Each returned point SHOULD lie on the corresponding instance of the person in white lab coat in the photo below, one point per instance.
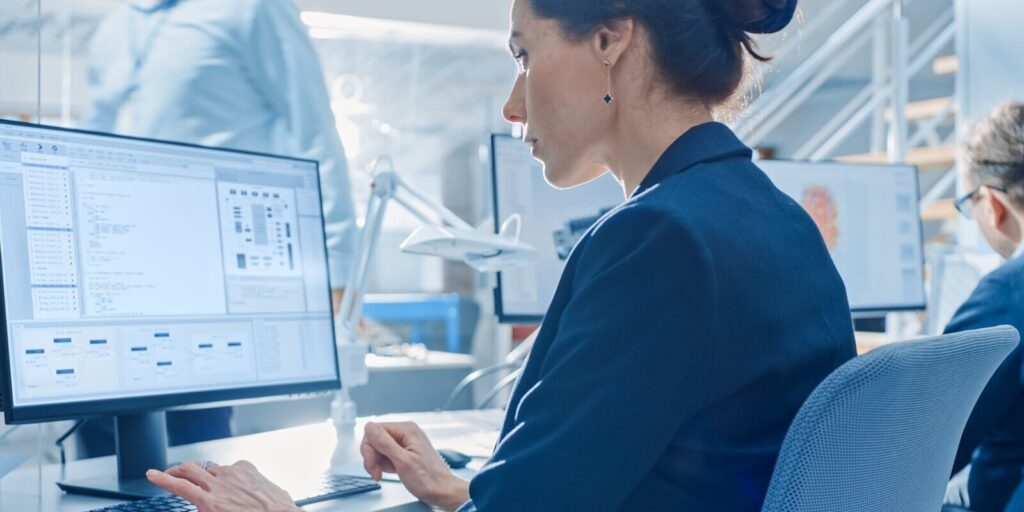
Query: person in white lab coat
(240, 74)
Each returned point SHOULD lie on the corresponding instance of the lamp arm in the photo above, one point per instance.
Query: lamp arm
(387, 186)
(447, 215)
(350, 313)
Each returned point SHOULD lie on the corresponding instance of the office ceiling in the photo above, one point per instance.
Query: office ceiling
(819, 19)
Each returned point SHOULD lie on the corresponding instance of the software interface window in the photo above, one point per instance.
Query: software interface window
(134, 268)
(868, 217)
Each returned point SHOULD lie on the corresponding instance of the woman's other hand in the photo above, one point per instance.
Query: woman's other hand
(403, 449)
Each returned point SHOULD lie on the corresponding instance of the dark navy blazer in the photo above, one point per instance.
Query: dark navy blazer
(993, 441)
(689, 326)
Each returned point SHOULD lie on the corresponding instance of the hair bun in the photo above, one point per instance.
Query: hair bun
(760, 16)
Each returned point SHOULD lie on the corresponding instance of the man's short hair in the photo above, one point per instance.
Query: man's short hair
(993, 150)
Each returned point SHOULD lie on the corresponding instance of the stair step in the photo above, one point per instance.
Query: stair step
(941, 210)
(924, 109)
(940, 158)
(948, 65)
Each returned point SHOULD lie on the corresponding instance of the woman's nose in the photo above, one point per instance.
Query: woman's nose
(515, 107)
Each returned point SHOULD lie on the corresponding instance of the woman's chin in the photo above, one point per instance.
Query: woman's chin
(558, 180)
(566, 177)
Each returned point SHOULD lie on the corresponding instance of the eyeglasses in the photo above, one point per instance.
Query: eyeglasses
(965, 203)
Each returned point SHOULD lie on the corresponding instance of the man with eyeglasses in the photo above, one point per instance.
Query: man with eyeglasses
(993, 441)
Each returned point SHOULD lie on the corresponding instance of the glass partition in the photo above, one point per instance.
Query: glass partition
(427, 96)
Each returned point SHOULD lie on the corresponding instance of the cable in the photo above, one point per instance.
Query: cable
(8, 432)
(39, 461)
(60, 440)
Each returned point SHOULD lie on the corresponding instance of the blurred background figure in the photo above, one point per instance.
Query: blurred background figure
(993, 441)
(240, 74)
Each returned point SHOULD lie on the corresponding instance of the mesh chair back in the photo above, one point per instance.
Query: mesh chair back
(880, 433)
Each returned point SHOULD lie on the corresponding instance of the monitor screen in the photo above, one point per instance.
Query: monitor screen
(142, 274)
(869, 218)
(552, 222)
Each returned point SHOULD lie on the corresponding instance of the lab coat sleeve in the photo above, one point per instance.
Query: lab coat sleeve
(285, 68)
(622, 374)
(103, 104)
(988, 306)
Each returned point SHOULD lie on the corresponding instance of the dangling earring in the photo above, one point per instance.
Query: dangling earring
(608, 98)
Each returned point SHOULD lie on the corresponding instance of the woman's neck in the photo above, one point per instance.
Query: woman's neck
(643, 134)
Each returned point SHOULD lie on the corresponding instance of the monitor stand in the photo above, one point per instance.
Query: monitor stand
(141, 442)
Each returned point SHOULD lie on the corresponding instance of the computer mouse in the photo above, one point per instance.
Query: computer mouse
(454, 459)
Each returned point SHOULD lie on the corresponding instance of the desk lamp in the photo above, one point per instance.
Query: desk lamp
(450, 238)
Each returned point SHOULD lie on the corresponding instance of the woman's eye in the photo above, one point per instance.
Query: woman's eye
(520, 58)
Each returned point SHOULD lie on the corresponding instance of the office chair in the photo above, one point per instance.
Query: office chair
(513, 365)
(880, 433)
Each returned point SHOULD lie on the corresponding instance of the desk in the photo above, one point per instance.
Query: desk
(402, 384)
(280, 455)
(397, 385)
(868, 341)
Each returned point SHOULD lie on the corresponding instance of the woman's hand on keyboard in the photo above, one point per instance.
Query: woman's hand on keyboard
(223, 488)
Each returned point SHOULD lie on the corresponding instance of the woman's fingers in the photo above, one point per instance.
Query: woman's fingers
(378, 437)
(371, 460)
(178, 486)
(375, 463)
(194, 474)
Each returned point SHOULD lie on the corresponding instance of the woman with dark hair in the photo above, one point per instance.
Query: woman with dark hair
(690, 323)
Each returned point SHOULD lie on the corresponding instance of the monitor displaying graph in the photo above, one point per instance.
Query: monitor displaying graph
(138, 269)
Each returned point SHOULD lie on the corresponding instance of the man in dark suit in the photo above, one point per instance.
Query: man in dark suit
(993, 441)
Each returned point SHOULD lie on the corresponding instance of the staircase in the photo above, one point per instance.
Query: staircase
(920, 133)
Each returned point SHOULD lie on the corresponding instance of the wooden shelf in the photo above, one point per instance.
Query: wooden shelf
(940, 211)
(940, 158)
(924, 109)
(948, 65)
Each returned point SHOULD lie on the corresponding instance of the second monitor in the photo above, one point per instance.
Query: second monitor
(868, 216)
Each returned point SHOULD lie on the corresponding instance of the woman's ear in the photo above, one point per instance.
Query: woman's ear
(611, 40)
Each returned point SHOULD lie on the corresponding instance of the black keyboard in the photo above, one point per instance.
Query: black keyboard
(331, 487)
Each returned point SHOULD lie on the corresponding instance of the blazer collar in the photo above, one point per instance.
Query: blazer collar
(703, 143)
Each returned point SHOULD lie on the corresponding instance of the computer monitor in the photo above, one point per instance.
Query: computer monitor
(140, 275)
(869, 218)
(954, 273)
(868, 215)
(552, 222)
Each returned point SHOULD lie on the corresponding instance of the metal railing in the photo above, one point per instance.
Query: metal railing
(772, 99)
(893, 67)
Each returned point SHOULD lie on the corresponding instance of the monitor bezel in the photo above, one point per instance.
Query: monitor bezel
(113, 406)
(499, 307)
(863, 312)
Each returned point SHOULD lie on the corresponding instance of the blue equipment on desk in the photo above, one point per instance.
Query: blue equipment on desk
(418, 310)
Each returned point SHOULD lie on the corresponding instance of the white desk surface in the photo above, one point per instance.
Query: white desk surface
(280, 455)
(433, 360)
